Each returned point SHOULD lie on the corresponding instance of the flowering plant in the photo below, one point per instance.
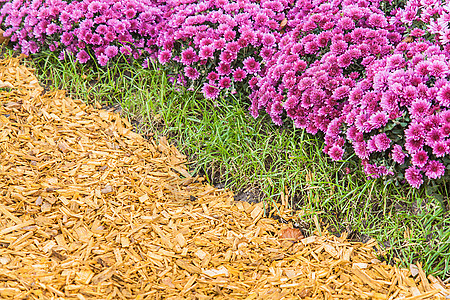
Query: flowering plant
(428, 19)
(320, 61)
(343, 71)
(89, 28)
(404, 126)
(220, 45)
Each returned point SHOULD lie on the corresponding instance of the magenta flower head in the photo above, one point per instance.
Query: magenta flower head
(224, 69)
(398, 155)
(191, 73)
(443, 95)
(126, 50)
(210, 91)
(251, 65)
(434, 169)
(239, 74)
(414, 177)
(164, 56)
(440, 148)
(225, 82)
(414, 132)
(420, 158)
(419, 108)
(188, 56)
(382, 142)
(102, 59)
(111, 51)
(213, 76)
(206, 52)
(83, 56)
(336, 152)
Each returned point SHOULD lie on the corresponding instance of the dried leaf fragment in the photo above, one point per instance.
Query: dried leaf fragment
(3, 39)
(283, 23)
(292, 234)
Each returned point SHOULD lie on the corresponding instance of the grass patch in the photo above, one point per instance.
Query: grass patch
(263, 162)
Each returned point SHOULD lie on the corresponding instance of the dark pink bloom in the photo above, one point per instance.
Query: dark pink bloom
(336, 152)
(191, 73)
(102, 59)
(225, 82)
(111, 51)
(398, 155)
(224, 69)
(164, 57)
(251, 65)
(382, 142)
(213, 76)
(239, 74)
(188, 56)
(419, 158)
(434, 169)
(443, 95)
(414, 177)
(83, 56)
(210, 91)
(419, 108)
(440, 148)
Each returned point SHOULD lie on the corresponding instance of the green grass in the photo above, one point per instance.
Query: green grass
(256, 158)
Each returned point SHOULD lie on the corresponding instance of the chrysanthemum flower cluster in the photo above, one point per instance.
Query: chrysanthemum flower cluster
(220, 44)
(398, 117)
(88, 29)
(428, 19)
(373, 78)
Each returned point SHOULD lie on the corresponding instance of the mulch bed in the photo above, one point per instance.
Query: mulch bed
(92, 210)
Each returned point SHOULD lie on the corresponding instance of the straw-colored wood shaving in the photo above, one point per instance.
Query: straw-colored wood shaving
(91, 210)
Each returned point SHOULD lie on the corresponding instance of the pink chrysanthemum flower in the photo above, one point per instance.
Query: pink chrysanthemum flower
(336, 152)
(414, 177)
(378, 120)
(420, 158)
(227, 56)
(225, 82)
(191, 73)
(188, 56)
(224, 69)
(443, 95)
(210, 91)
(398, 155)
(438, 68)
(239, 74)
(111, 51)
(434, 169)
(251, 65)
(83, 56)
(361, 150)
(206, 52)
(382, 142)
(213, 76)
(102, 59)
(164, 57)
(419, 108)
(440, 148)
(415, 131)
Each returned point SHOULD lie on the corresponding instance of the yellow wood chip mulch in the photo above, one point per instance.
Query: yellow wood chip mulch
(91, 210)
